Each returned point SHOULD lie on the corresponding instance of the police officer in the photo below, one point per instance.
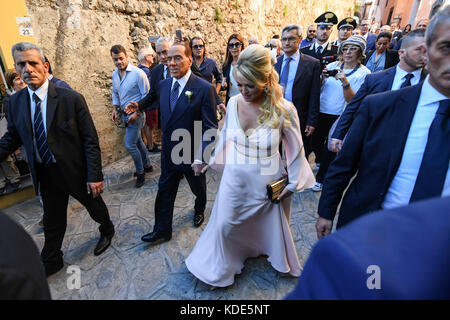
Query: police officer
(345, 29)
(321, 49)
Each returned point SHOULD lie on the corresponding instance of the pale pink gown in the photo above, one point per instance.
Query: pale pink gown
(244, 223)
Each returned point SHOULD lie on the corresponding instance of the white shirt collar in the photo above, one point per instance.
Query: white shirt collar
(183, 80)
(41, 92)
(429, 94)
(402, 73)
(316, 44)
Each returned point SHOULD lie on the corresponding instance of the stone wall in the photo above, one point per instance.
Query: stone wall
(76, 36)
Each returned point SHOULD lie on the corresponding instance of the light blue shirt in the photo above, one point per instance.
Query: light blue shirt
(182, 82)
(293, 65)
(400, 75)
(133, 86)
(378, 64)
(402, 186)
(42, 93)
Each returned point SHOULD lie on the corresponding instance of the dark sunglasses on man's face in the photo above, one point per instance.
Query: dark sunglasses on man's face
(234, 45)
(198, 46)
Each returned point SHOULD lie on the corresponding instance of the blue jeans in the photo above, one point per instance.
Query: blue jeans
(135, 145)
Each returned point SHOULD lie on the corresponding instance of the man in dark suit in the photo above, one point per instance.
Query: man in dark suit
(322, 49)
(397, 145)
(56, 129)
(300, 77)
(383, 256)
(371, 38)
(409, 71)
(184, 100)
(22, 276)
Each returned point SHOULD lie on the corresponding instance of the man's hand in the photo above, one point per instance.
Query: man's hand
(222, 108)
(336, 145)
(285, 193)
(114, 115)
(323, 227)
(95, 188)
(133, 117)
(132, 107)
(198, 168)
(309, 130)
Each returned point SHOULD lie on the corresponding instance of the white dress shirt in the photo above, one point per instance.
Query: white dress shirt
(182, 82)
(316, 45)
(399, 77)
(402, 186)
(42, 93)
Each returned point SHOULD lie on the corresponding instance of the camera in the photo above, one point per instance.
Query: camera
(331, 73)
(328, 59)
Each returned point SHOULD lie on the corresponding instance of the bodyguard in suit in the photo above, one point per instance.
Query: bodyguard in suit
(398, 144)
(321, 49)
(371, 38)
(56, 129)
(409, 71)
(383, 256)
(183, 99)
(300, 78)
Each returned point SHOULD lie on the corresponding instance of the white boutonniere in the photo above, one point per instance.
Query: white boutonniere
(188, 95)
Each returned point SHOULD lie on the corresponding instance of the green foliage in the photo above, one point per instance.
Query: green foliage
(236, 5)
(285, 11)
(217, 15)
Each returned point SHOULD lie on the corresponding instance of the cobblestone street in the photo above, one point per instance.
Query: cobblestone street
(132, 269)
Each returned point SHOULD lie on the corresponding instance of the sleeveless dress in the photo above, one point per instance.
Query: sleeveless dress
(244, 223)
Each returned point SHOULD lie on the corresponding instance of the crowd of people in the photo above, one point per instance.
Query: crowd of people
(376, 119)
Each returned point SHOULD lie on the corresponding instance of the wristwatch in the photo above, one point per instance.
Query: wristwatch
(346, 86)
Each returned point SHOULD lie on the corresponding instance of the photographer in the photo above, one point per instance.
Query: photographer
(341, 79)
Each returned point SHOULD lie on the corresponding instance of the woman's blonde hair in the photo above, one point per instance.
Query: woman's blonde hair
(255, 65)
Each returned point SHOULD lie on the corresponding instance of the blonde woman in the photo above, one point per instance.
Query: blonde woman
(244, 223)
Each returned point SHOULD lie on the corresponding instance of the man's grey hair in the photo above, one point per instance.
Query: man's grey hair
(292, 27)
(148, 51)
(276, 42)
(409, 39)
(25, 46)
(162, 40)
(439, 18)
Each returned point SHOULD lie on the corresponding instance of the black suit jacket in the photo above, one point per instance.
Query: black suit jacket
(373, 149)
(22, 275)
(306, 89)
(391, 58)
(201, 107)
(157, 75)
(374, 83)
(71, 136)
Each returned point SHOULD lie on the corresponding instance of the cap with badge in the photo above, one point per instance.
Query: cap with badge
(328, 19)
(347, 22)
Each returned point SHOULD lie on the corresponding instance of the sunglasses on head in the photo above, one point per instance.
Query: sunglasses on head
(234, 45)
(198, 46)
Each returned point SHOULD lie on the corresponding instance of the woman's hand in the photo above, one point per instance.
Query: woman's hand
(341, 76)
(285, 193)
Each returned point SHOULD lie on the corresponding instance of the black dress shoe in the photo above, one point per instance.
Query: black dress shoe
(156, 237)
(198, 219)
(53, 268)
(140, 181)
(148, 169)
(103, 244)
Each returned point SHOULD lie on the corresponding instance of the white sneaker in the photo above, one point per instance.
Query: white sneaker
(317, 187)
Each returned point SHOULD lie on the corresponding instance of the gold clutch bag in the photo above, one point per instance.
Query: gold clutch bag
(275, 188)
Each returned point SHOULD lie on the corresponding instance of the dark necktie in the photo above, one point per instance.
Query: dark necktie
(167, 73)
(39, 133)
(433, 169)
(319, 50)
(285, 74)
(174, 95)
(407, 82)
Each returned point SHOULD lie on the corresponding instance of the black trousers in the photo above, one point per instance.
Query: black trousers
(55, 197)
(320, 136)
(167, 192)
(327, 157)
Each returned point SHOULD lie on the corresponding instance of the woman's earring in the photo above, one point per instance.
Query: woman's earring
(266, 90)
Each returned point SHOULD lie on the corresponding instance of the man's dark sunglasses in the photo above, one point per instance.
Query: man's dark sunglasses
(198, 46)
(234, 45)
